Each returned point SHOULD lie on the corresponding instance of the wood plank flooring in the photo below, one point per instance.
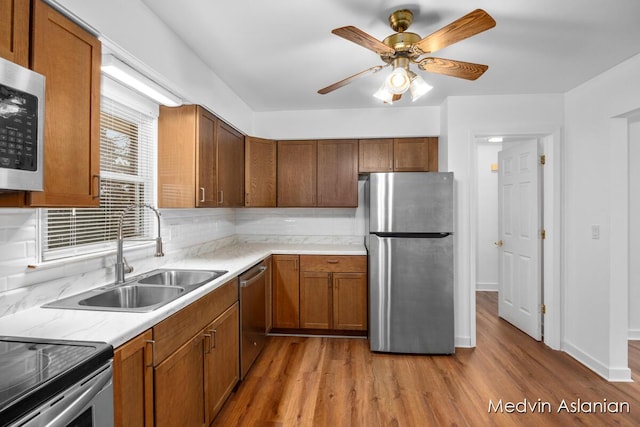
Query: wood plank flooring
(301, 381)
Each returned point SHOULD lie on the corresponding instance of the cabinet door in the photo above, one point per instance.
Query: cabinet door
(206, 187)
(297, 173)
(230, 163)
(133, 382)
(315, 300)
(338, 173)
(72, 114)
(268, 294)
(286, 292)
(375, 155)
(179, 386)
(350, 301)
(260, 172)
(432, 143)
(222, 360)
(411, 154)
(14, 31)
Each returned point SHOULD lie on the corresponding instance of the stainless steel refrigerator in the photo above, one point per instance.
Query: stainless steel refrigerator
(410, 246)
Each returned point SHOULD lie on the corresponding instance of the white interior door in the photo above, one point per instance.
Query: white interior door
(520, 244)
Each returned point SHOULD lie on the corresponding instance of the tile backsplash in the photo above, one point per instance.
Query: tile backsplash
(24, 284)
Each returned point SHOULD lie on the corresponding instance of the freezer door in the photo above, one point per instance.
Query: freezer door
(410, 202)
(411, 295)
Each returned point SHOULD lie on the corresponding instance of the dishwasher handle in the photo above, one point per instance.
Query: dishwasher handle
(248, 282)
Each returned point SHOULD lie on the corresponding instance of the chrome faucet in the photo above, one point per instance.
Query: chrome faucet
(121, 264)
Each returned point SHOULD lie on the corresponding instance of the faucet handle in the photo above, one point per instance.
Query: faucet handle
(127, 268)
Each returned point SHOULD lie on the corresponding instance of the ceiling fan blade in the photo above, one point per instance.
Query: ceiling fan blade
(463, 70)
(363, 39)
(469, 25)
(349, 79)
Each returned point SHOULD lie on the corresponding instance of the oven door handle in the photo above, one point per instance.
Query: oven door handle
(66, 413)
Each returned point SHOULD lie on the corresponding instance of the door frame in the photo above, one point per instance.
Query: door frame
(551, 180)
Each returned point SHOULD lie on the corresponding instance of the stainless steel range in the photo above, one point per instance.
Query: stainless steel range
(55, 383)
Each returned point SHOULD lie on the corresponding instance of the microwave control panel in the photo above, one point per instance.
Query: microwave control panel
(18, 129)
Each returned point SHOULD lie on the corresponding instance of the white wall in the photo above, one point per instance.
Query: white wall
(467, 117)
(348, 123)
(159, 53)
(634, 228)
(487, 252)
(596, 193)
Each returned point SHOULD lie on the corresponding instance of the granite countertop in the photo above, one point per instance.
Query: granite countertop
(116, 328)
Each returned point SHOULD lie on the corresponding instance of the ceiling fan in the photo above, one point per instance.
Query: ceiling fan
(402, 48)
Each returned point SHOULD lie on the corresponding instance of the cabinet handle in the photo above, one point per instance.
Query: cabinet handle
(99, 186)
(149, 352)
(202, 192)
(333, 261)
(214, 334)
(247, 199)
(207, 339)
(221, 200)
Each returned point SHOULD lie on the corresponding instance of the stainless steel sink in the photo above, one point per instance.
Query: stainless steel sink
(133, 296)
(179, 277)
(142, 293)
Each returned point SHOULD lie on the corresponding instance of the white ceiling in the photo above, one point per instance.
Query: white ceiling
(276, 54)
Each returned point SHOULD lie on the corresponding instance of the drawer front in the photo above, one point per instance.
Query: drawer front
(175, 330)
(334, 263)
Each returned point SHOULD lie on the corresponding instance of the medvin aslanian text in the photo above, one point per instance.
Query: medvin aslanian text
(527, 406)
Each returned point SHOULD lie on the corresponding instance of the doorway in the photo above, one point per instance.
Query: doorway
(509, 249)
(634, 244)
(549, 142)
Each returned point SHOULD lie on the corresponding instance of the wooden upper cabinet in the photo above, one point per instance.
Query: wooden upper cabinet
(200, 160)
(14, 31)
(186, 157)
(297, 173)
(230, 166)
(375, 155)
(69, 58)
(338, 173)
(398, 155)
(410, 154)
(260, 172)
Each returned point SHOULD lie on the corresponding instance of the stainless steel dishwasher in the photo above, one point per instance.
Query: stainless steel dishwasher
(252, 315)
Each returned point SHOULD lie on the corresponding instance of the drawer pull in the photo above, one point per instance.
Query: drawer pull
(333, 261)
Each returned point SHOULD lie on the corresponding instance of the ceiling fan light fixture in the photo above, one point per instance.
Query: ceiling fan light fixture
(398, 81)
(384, 95)
(418, 87)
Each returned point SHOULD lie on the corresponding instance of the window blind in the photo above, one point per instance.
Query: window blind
(127, 141)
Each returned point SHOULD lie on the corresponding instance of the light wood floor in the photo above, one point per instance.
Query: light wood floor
(339, 382)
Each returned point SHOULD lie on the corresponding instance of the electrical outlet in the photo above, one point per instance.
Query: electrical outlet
(595, 232)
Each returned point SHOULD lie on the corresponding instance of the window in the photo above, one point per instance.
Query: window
(127, 139)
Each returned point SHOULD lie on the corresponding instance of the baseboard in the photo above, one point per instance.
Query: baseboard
(634, 334)
(487, 286)
(609, 374)
(464, 342)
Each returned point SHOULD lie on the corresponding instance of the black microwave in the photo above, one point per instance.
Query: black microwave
(21, 128)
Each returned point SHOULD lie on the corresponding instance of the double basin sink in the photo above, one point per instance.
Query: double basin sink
(142, 293)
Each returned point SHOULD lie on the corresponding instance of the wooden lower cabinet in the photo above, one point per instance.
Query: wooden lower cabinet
(222, 362)
(133, 382)
(179, 386)
(333, 292)
(182, 370)
(286, 292)
(319, 292)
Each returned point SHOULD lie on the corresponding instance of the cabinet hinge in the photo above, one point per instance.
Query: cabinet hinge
(543, 159)
(543, 309)
(543, 234)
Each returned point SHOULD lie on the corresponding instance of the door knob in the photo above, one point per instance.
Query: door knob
(499, 243)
